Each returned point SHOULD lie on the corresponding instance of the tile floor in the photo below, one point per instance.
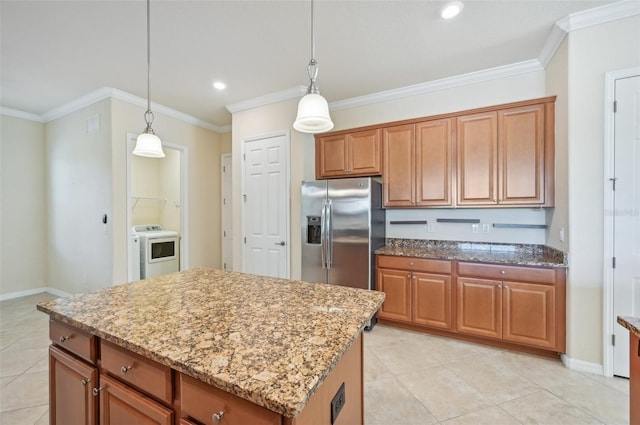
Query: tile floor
(410, 378)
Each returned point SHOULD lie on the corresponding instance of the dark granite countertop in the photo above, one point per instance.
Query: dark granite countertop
(631, 323)
(516, 254)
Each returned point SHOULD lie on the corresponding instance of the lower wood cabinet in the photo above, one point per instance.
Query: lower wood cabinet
(634, 378)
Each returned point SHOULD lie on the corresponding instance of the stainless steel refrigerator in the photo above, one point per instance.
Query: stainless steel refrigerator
(343, 223)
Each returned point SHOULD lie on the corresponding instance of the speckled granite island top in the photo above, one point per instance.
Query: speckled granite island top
(631, 323)
(270, 341)
(485, 252)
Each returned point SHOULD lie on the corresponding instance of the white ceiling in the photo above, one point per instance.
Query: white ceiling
(53, 52)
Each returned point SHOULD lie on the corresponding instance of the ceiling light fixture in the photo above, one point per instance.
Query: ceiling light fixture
(148, 144)
(313, 109)
(219, 85)
(451, 9)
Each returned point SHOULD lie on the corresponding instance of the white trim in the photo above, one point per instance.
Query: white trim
(26, 293)
(552, 44)
(608, 205)
(292, 93)
(581, 365)
(599, 15)
(445, 83)
(20, 114)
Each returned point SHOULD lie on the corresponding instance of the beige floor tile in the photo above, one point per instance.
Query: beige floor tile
(16, 362)
(443, 393)
(605, 403)
(381, 334)
(490, 416)
(4, 381)
(44, 419)
(617, 383)
(387, 403)
(25, 391)
(546, 409)
(26, 416)
(374, 369)
(28, 341)
(41, 366)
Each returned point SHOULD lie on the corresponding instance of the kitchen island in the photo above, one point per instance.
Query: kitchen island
(632, 324)
(247, 341)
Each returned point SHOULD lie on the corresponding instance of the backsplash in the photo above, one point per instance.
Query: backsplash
(513, 225)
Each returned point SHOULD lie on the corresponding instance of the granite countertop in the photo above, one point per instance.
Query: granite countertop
(270, 341)
(631, 323)
(516, 254)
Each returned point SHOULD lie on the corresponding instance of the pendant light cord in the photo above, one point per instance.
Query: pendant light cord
(312, 69)
(148, 115)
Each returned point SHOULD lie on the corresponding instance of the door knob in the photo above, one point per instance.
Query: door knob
(281, 243)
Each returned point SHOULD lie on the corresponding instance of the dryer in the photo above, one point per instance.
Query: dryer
(159, 250)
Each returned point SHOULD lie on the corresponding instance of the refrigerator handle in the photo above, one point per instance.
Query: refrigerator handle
(329, 234)
(323, 234)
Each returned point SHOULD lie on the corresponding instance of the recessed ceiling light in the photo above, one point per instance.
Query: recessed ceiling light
(451, 9)
(219, 85)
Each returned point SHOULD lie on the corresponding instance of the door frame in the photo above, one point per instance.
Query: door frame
(608, 210)
(287, 148)
(222, 213)
(184, 202)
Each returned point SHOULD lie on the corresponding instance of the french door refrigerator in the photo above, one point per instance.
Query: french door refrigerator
(343, 223)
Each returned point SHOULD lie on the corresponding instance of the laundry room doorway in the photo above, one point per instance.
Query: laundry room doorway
(156, 195)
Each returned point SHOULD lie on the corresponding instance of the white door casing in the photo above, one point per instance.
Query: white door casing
(625, 185)
(227, 211)
(266, 205)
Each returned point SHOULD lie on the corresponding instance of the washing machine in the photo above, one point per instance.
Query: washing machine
(159, 250)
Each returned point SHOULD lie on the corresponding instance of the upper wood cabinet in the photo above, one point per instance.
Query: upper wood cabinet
(417, 164)
(505, 157)
(348, 154)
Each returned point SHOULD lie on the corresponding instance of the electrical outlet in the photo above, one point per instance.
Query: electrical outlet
(338, 402)
(475, 228)
(485, 228)
(431, 228)
(561, 235)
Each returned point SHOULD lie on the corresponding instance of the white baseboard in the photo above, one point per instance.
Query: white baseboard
(20, 294)
(582, 366)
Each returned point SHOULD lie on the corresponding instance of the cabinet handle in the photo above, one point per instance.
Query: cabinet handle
(217, 417)
(505, 286)
(500, 286)
(62, 339)
(411, 264)
(409, 275)
(96, 391)
(84, 382)
(125, 369)
(503, 272)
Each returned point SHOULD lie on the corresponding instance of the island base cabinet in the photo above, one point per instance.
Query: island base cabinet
(120, 404)
(634, 378)
(71, 383)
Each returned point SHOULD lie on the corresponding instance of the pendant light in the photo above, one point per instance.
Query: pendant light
(313, 110)
(148, 144)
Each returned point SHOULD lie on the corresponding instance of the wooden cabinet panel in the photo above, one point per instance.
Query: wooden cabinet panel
(364, 153)
(479, 307)
(121, 405)
(332, 156)
(521, 155)
(71, 382)
(431, 295)
(414, 264)
(634, 378)
(144, 374)
(396, 285)
(477, 154)
(434, 162)
(398, 177)
(349, 154)
(74, 340)
(502, 272)
(529, 314)
(200, 401)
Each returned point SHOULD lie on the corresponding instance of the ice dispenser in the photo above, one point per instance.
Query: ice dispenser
(313, 230)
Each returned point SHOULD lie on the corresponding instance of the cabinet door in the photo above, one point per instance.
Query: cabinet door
(71, 381)
(634, 378)
(477, 145)
(529, 314)
(431, 300)
(398, 176)
(331, 156)
(479, 307)
(396, 284)
(364, 153)
(120, 404)
(434, 156)
(521, 155)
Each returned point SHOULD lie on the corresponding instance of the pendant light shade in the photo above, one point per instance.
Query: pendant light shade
(147, 143)
(313, 109)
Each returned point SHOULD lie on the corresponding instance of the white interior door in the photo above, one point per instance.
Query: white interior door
(227, 213)
(626, 274)
(266, 206)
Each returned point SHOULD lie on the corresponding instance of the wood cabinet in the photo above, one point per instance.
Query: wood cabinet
(417, 291)
(505, 157)
(524, 305)
(417, 164)
(348, 154)
(634, 378)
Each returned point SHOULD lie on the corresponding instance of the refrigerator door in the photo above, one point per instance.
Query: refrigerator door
(350, 213)
(314, 197)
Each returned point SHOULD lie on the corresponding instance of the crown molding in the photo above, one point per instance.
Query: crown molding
(292, 93)
(442, 84)
(599, 15)
(20, 114)
(552, 44)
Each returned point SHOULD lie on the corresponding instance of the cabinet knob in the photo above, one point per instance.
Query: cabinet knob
(62, 339)
(409, 275)
(84, 382)
(217, 417)
(503, 272)
(96, 391)
(125, 369)
(411, 264)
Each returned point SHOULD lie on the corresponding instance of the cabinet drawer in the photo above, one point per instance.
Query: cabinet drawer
(73, 339)
(201, 401)
(414, 264)
(144, 374)
(494, 271)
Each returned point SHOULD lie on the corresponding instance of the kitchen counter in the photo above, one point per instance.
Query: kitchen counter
(515, 254)
(270, 341)
(631, 323)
